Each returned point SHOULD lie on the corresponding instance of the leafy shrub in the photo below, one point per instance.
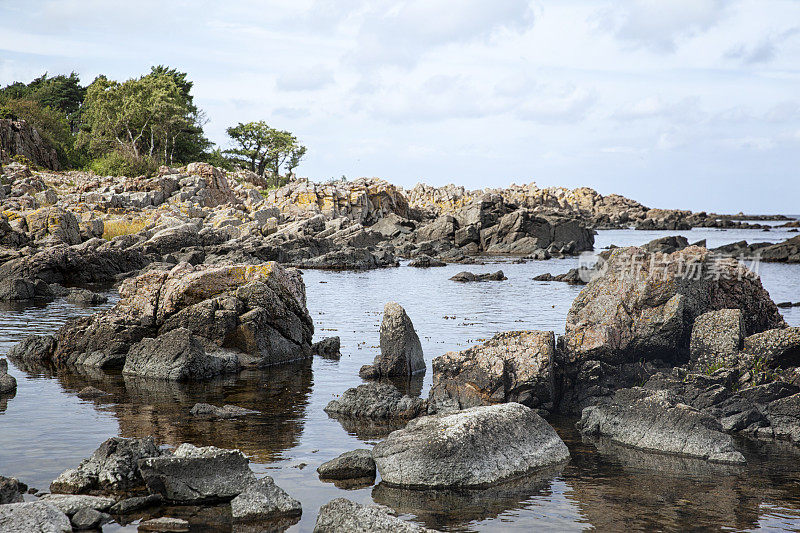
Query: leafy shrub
(123, 164)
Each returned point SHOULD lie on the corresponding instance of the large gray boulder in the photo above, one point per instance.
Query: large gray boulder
(344, 516)
(515, 366)
(176, 355)
(196, 475)
(476, 447)
(113, 467)
(263, 500)
(401, 351)
(717, 338)
(653, 421)
(643, 305)
(378, 401)
(29, 517)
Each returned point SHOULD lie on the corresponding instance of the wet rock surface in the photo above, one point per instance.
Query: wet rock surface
(342, 515)
(475, 447)
(376, 401)
(465, 277)
(350, 465)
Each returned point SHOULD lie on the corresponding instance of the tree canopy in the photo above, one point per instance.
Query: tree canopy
(260, 147)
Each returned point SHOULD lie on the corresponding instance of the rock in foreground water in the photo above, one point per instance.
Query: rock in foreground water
(652, 421)
(196, 475)
(350, 465)
(40, 517)
(344, 516)
(376, 401)
(263, 500)
(515, 366)
(401, 351)
(476, 447)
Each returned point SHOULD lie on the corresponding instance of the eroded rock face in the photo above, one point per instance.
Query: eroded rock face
(643, 305)
(651, 420)
(18, 137)
(717, 338)
(401, 351)
(344, 516)
(515, 366)
(475, 447)
(778, 347)
(11, 490)
(195, 475)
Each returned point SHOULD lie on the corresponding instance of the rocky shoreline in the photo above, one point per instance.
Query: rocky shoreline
(670, 348)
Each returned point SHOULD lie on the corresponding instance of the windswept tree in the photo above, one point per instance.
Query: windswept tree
(152, 116)
(260, 147)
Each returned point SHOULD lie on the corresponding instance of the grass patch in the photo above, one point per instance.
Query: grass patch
(115, 228)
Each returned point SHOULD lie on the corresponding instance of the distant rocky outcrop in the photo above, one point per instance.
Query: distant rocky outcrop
(18, 137)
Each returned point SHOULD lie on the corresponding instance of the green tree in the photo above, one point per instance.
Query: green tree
(152, 116)
(260, 147)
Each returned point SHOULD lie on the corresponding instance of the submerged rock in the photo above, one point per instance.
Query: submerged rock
(204, 410)
(376, 401)
(197, 475)
(652, 421)
(515, 366)
(344, 516)
(401, 351)
(165, 524)
(263, 500)
(426, 261)
(38, 516)
(476, 447)
(465, 277)
(349, 465)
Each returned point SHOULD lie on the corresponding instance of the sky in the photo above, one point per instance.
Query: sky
(690, 104)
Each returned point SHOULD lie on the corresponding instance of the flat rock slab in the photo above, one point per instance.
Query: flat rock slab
(263, 500)
(476, 447)
(195, 475)
(654, 423)
(165, 524)
(204, 410)
(350, 465)
(344, 516)
(41, 517)
(72, 503)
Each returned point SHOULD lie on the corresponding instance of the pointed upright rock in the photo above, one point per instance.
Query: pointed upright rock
(401, 351)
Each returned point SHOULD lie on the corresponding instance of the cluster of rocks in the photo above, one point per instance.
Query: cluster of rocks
(125, 476)
(187, 323)
(668, 348)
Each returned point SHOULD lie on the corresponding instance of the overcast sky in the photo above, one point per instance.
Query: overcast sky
(675, 103)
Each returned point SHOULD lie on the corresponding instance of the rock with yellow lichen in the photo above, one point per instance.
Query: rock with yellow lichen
(243, 315)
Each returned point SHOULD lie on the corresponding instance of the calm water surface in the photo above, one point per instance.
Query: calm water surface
(46, 428)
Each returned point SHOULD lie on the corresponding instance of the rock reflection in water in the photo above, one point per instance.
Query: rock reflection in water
(618, 488)
(161, 408)
(451, 508)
